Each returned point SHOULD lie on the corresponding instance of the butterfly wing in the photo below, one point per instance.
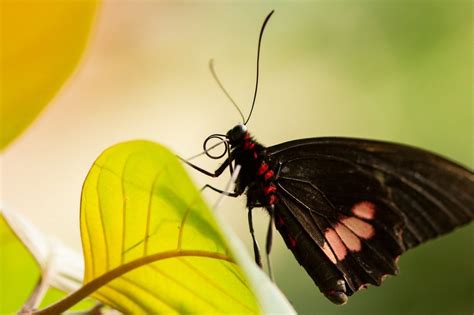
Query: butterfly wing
(358, 204)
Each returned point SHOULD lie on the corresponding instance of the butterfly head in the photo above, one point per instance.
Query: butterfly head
(232, 138)
(236, 134)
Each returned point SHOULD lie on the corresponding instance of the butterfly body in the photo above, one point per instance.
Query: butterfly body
(257, 177)
(348, 208)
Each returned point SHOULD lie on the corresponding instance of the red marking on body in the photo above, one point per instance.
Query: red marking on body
(292, 241)
(269, 189)
(262, 169)
(359, 227)
(349, 239)
(364, 210)
(249, 145)
(269, 174)
(246, 136)
(255, 155)
(280, 221)
(272, 200)
(336, 244)
(328, 252)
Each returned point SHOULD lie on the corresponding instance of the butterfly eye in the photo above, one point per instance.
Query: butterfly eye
(216, 146)
(237, 133)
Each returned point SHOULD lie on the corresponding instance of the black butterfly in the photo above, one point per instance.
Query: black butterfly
(346, 208)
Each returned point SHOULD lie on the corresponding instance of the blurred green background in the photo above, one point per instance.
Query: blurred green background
(392, 70)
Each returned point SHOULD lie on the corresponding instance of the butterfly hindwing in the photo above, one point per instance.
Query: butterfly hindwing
(364, 203)
(306, 241)
(360, 230)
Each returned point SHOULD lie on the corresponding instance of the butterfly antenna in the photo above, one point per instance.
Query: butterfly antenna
(258, 63)
(213, 72)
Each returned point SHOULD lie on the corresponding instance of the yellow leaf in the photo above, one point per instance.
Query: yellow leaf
(149, 240)
(42, 42)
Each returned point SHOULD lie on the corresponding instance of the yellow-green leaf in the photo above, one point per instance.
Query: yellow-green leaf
(42, 42)
(34, 269)
(19, 272)
(150, 240)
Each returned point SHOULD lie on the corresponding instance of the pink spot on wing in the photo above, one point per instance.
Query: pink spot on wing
(364, 210)
(359, 227)
(362, 286)
(336, 244)
(328, 252)
(349, 239)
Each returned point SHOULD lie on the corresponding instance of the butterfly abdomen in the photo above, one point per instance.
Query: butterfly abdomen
(257, 174)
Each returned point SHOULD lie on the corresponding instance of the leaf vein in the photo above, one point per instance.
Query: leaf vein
(214, 284)
(183, 286)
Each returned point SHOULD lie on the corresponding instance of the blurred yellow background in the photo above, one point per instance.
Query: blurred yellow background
(399, 71)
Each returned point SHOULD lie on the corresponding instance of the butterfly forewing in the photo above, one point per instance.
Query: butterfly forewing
(363, 203)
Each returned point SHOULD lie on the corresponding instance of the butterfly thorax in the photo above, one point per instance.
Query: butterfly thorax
(256, 177)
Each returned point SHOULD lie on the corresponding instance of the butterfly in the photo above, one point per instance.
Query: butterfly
(347, 208)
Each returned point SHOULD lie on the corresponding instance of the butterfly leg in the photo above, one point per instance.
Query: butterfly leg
(256, 250)
(269, 241)
(216, 173)
(220, 191)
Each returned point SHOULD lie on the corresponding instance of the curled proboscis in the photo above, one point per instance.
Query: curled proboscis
(208, 148)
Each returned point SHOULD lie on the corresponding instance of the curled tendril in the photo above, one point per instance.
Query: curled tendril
(207, 150)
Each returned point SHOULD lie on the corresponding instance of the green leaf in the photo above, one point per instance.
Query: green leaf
(42, 42)
(19, 272)
(150, 243)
